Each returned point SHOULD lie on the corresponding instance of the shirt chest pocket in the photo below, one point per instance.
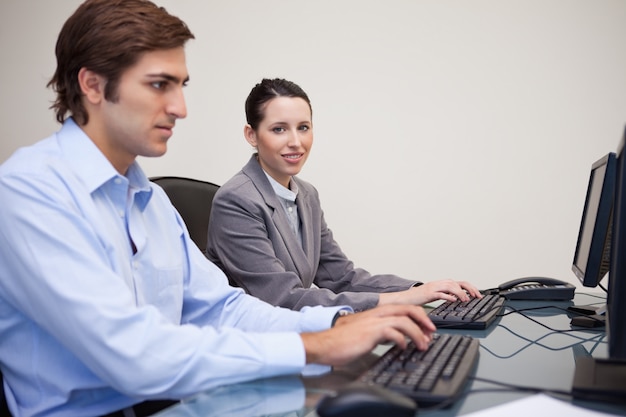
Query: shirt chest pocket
(163, 289)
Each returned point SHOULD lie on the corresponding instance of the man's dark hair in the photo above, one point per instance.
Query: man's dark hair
(108, 37)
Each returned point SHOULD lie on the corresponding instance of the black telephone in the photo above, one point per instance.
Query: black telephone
(537, 288)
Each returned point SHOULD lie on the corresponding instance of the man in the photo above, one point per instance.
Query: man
(105, 302)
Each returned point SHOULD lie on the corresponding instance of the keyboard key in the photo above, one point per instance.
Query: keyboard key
(477, 313)
(428, 377)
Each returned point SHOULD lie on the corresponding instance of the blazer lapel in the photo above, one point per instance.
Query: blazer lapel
(308, 237)
(281, 222)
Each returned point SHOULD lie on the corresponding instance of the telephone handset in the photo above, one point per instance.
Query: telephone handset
(537, 288)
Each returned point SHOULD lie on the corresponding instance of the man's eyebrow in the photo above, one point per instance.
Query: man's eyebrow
(169, 77)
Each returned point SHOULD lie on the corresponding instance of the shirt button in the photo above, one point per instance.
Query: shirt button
(118, 180)
(290, 209)
(121, 213)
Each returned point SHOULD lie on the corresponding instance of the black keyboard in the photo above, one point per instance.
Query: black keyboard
(428, 377)
(476, 314)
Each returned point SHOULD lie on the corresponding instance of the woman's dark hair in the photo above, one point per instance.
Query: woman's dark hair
(267, 90)
(108, 37)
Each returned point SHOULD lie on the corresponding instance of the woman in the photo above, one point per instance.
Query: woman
(267, 229)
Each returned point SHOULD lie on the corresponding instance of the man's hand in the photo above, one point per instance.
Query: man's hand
(356, 334)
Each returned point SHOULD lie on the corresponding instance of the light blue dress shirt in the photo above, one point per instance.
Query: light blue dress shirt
(88, 326)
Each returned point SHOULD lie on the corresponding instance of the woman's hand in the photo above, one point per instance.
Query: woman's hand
(448, 290)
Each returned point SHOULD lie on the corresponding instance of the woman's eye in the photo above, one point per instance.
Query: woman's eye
(159, 85)
(304, 128)
(278, 129)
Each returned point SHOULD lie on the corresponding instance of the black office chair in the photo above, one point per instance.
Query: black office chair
(4, 408)
(192, 198)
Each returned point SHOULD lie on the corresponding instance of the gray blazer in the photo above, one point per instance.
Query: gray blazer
(249, 238)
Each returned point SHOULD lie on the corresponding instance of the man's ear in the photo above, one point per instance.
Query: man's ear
(250, 135)
(92, 85)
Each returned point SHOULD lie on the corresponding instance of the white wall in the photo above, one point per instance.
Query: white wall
(453, 138)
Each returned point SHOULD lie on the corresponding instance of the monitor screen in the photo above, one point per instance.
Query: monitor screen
(593, 249)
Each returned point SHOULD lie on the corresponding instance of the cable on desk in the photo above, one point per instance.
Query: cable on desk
(518, 388)
(598, 335)
(507, 388)
(597, 338)
(565, 331)
(589, 294)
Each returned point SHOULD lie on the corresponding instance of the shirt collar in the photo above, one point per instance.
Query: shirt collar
(288, 194)
(93, 167)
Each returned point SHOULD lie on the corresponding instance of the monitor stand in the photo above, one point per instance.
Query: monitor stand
(599, 379)
(588, 315)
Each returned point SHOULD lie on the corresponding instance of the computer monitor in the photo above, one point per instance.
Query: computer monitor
(605, 378)
(616, 302)
(592, 256)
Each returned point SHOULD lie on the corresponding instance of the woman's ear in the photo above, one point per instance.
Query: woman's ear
(92, 85)
(250, 135)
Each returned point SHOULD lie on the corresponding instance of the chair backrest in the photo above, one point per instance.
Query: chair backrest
(4, 408)
(192, 198)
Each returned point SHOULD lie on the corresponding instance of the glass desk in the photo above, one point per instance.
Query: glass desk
(535, 350)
